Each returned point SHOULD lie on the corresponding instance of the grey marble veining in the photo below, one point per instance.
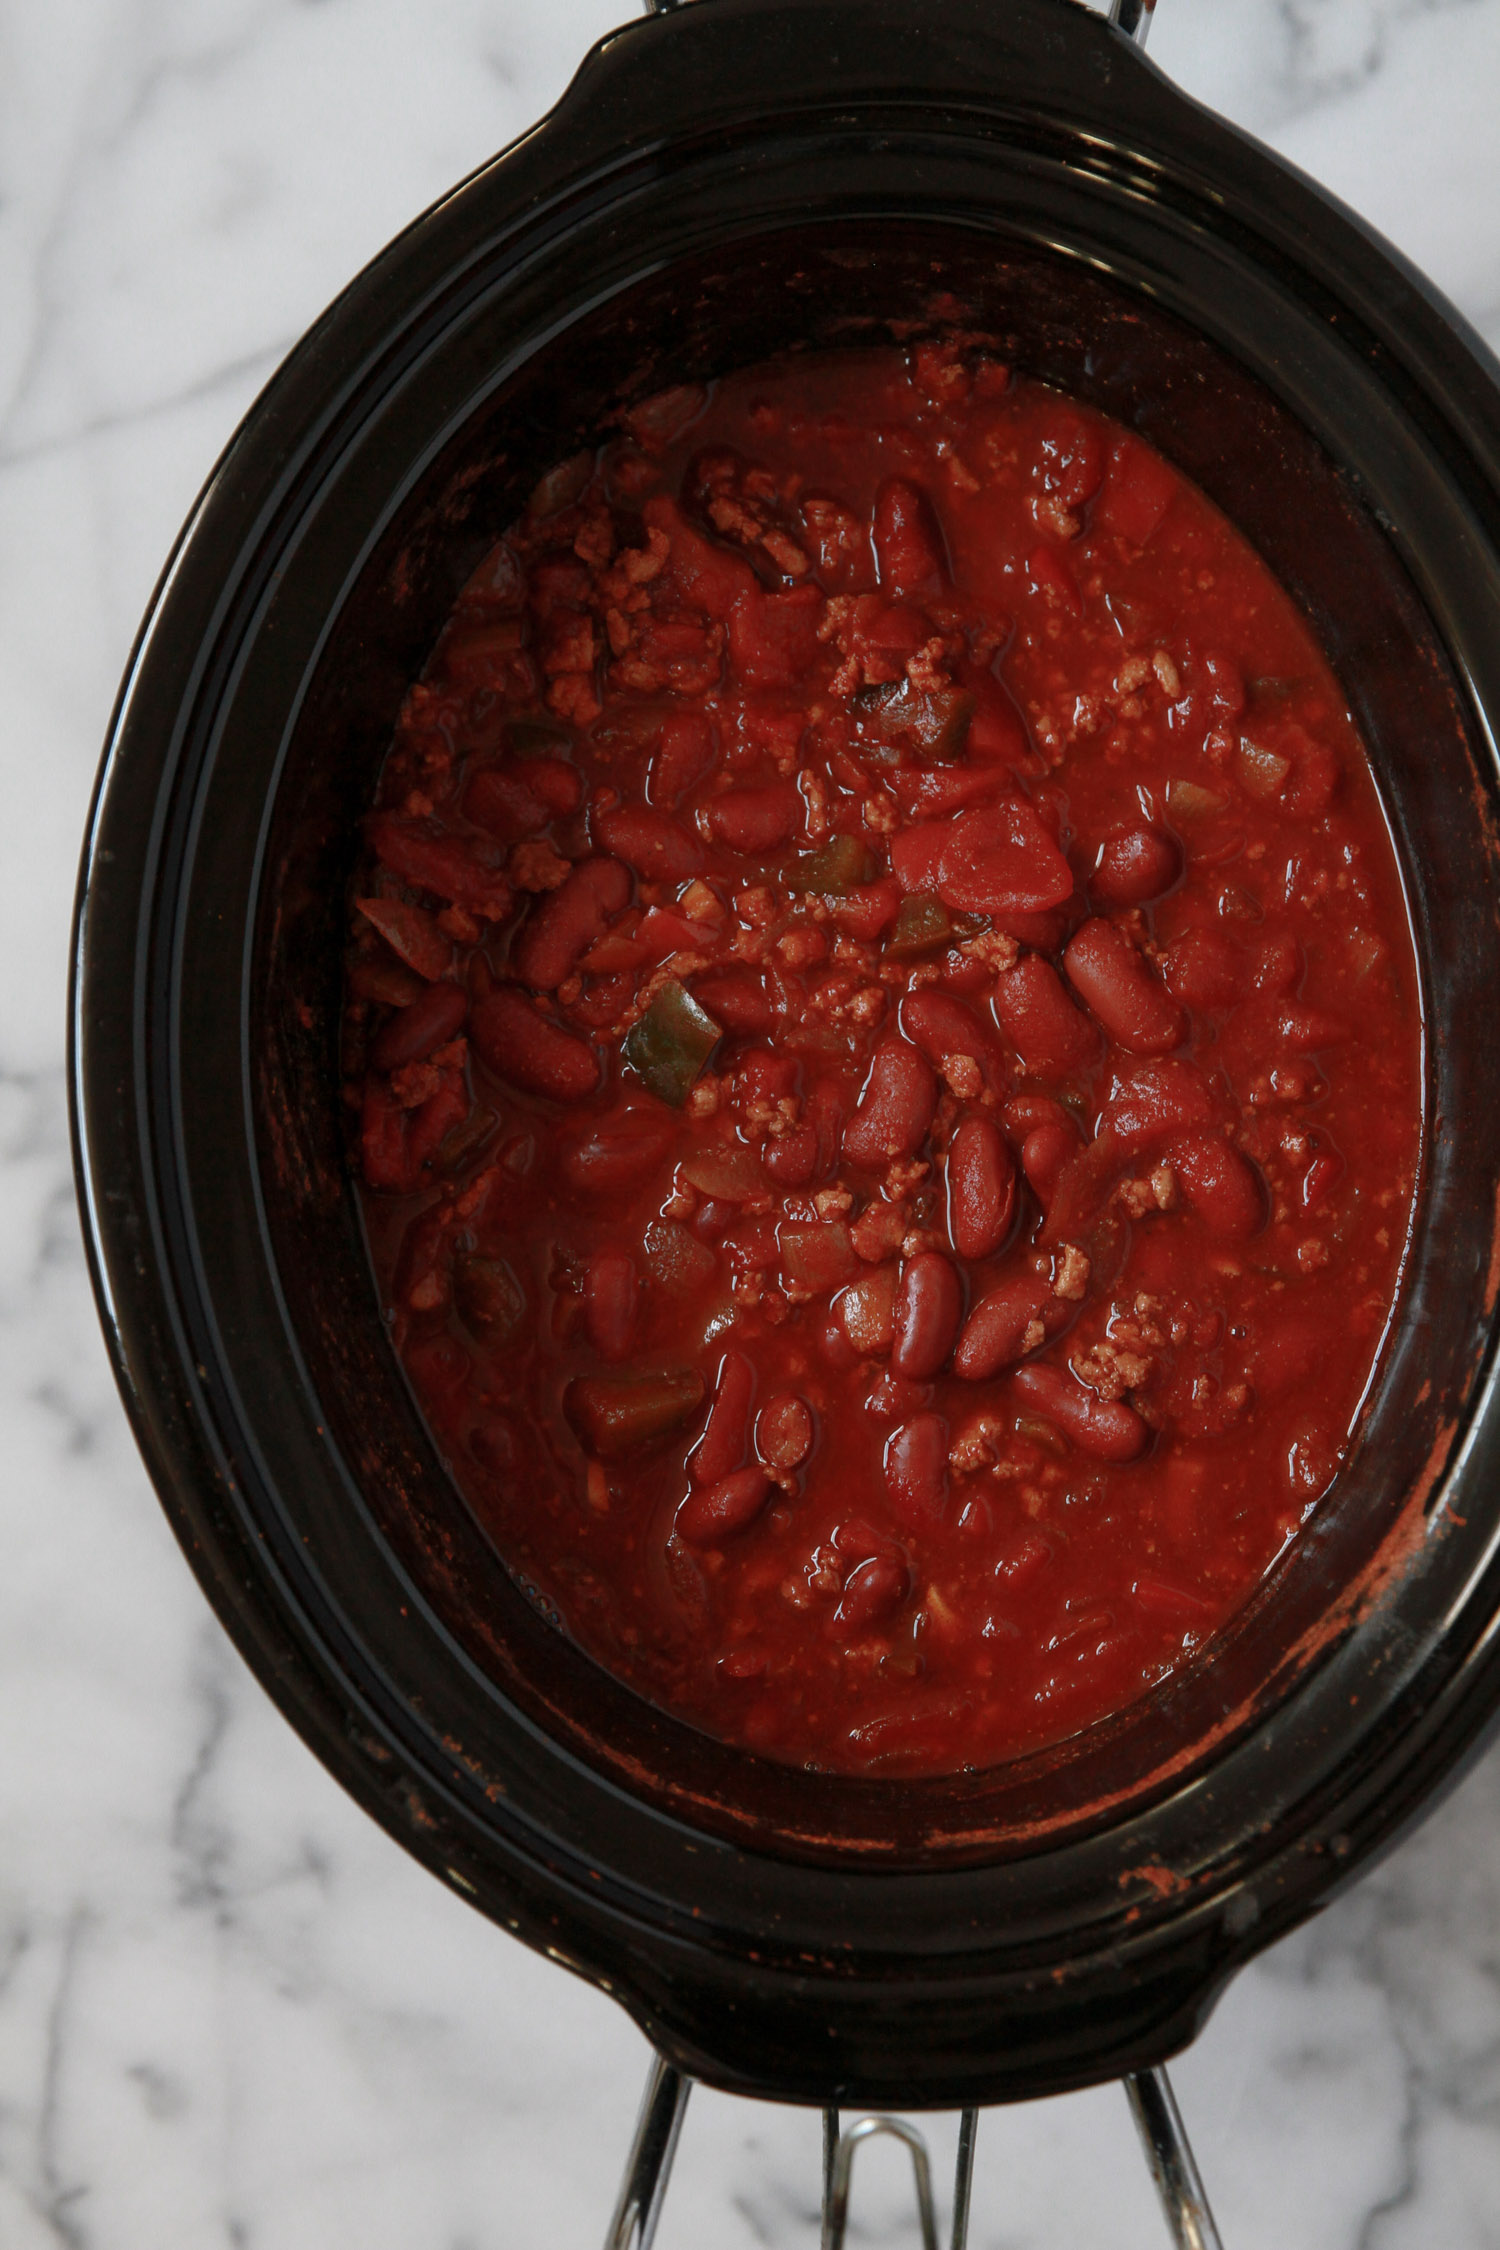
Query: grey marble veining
(231, 2012)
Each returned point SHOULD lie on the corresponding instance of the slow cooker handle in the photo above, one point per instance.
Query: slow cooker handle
(658, 2128)
(1133, 17)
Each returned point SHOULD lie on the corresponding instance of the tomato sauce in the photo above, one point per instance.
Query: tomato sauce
(884, 1039)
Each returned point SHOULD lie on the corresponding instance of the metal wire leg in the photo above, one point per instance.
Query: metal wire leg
(644, 2186)
(1159, 2123)
(963, 2177)
(1133, 17)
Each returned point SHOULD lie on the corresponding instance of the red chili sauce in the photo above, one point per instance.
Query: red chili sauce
(886, 1043)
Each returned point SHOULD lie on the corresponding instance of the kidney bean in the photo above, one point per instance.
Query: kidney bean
(656, 846)
(765, 1076)
(871, 1591)
(430, 861)
(1304, 1029)
(722, 1445)
(1002, 859)
(941, 1025)
(1044, 1152)
(1138, 490)
(566, 922)
(909, 548)
(997, 730)
(1018, 1316)
(499, 800)
(1202, 970)
(1133, 868)
(916, 1470)
(937, 792)
(410, 932)
(410, 1035)
(736, 998)
(684, 754)
(712, 1512)
(1123, 990)
(793, 1160)
(707, 575)
(981, 1188)
(929, 1310)
(1151, 1100)
(1109, 1429)
(895, 1107)
(1320, 1178)
(518, 1043)
(784, 1431)
(1222, 1187)
(618, 1151)
(756, 820)
(1050, 1035)
(610, 1295)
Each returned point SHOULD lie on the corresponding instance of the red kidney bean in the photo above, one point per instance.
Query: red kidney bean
(1151, 1100)
(1018, 1316)
(651, 842)
(726, 1432)
(934, 792)
(941, 1026)
(765, 1076)
(793, 1160)
(1202, 970)
(410, 1035)
(858, 1538)
(756, 820)
(1123, 990)
(433, 862)
(566, 922)
(737, 999)
(410, 932)
(1109, 1429)
(1280, 966)
(929, 1309)
(895, 1108)
(1050, 1035)
(518, 1043)
(909, 549)
(498, 799)
(981, 1188)
(610, 1295)
(1044, 1152)
(683, 756)
(1133, 868)
(1304, 1029)
(1321, 1176)
(871, 1591)
(784, 1431)
(1222, 1187)
(712, 1512)
(916, 1470)
(617, 1152)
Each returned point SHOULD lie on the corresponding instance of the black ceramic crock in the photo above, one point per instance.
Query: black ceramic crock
(735, 179)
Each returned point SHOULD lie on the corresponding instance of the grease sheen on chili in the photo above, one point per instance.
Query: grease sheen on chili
(884, 1039)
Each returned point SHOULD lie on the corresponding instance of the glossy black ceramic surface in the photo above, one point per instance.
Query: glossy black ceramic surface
(740, 177)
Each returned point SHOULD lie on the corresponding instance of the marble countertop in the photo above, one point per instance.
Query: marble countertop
(231, 2011)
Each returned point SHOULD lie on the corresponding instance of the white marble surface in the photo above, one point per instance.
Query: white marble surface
(231, 2013)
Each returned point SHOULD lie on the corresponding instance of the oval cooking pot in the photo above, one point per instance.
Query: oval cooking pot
(731, 180)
